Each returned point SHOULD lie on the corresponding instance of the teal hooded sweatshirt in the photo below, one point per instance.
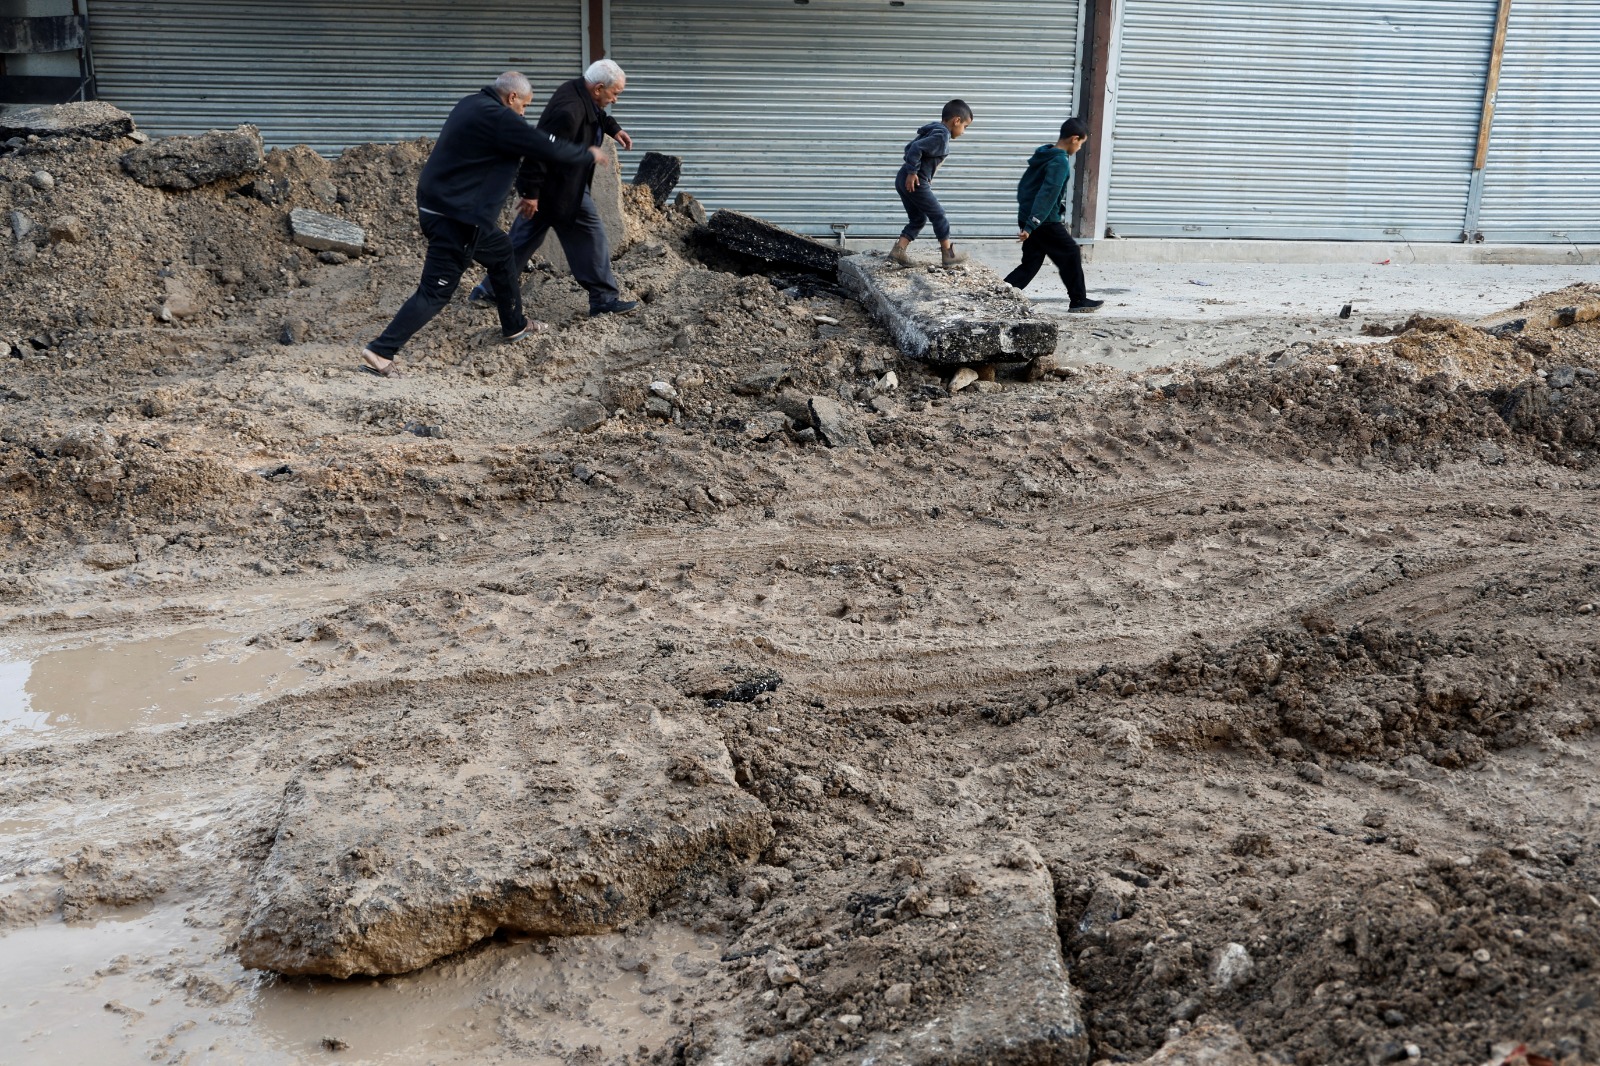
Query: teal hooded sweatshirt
(1043, 188)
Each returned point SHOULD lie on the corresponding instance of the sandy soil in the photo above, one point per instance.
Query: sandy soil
(1286, 667)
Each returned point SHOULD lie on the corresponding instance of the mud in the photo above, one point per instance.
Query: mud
(1284, 668)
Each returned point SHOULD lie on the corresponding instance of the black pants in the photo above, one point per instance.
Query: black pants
(1053, 240)
(583, 240)
(452, 247)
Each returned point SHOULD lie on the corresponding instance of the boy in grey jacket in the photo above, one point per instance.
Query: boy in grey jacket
(914, 183)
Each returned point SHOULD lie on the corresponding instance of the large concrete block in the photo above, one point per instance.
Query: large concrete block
(558, 820)
(949, 316)
(94, 119)
(607, 193)
(760, 239)
(190, 162)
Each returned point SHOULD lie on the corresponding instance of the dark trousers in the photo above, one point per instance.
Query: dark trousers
(1053, 240)
(922, 207)
(452, 247)
(583, 239)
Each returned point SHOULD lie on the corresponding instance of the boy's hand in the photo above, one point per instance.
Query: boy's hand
(911, 182)
(1022, 234)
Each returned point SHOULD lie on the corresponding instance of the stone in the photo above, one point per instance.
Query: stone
(1562, 377)
(767, 425)
(324, 190)
(837, 426)
(42, 180)
(949, 317)
(443, 832)
(1111, 901)
(664, 390)
(606, 191)
(795, 405)
(963, 377)
(68, 229)
(325, 233)
(92, 119)
(1527, 406)
(782, 971)
(656, 407)
(585, 416)
(759, 239)
(110, 556)
(766, 378)
(690, 208)
(268, 190)
(660, 173)
(1232, 967)
(1004, 995)
(332, 258)
(192, 162)
(21, 225)
(293, 331)
(1208, 1045)
(181, 301)
(888, 383)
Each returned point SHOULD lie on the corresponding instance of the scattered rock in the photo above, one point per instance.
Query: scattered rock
(948, 316)
(1562, 377)
(333, 1043)
(759, 239)
(268, 190)
(21, 225)
(660, 173)
(92, 119)
(294, 331)
(782, 971)
(109, 556)
(68, 229)
(371, 870)
(897, 995)
(837, 427)
(664, 390)
(181, 300)
(767, 377)
(963, 377)
(585, 416)
(1207, 1045)
(1232, 967)
(1111, 901)
(888, 383)
(691, 208)
(319, 232)
(191, 162)
(42, 180)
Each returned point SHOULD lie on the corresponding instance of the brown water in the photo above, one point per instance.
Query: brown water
(109, 686)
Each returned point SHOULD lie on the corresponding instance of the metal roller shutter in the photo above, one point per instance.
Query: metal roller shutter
(320, 73)
(798, 111)
(1298, 119)
(1542, 179)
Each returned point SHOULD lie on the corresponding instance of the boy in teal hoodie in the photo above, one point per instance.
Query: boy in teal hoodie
(1041, 206)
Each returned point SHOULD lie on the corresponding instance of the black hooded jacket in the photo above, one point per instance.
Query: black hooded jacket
(471, 169)
(571, 115)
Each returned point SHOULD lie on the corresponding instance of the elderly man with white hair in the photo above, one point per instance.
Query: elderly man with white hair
(463, 187)
(555, 194)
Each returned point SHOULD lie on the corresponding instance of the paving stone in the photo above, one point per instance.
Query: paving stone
(949, 316)
(325, 233)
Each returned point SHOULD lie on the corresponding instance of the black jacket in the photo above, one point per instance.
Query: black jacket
(571, 115)
(470, 171)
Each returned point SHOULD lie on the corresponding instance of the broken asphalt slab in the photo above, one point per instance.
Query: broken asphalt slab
(759, 239)
(191, 162)
(999, 995)
(1552, 318)
(949, 316)
(550, 820)
(93, 119)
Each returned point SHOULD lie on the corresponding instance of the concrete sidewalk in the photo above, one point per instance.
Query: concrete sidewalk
(1174, 301)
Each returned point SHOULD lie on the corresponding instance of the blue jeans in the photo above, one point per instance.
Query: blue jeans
(583, 239)
(922, 207)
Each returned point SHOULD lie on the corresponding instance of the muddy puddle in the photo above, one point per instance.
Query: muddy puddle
(158, 987)
(110, 686)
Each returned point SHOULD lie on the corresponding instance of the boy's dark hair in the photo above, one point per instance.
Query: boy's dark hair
(1074, 127)
(956, 109)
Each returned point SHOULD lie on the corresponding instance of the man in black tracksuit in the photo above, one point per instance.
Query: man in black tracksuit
(556, 193)
(462, 188)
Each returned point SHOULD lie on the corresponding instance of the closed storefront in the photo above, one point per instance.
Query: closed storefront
(1298, 119)
(798, 111)
(1541, 182)
(321, 73)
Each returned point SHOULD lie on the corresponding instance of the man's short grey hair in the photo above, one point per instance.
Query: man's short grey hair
(511, 82)
(604, 72)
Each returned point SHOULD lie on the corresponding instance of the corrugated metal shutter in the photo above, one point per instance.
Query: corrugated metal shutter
(1542, 180)
(798, 112)
(323, 73)
(1298, 119)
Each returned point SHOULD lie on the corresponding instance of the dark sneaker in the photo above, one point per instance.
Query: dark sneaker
(1088, 307)
(481, 300)
(613, 307)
